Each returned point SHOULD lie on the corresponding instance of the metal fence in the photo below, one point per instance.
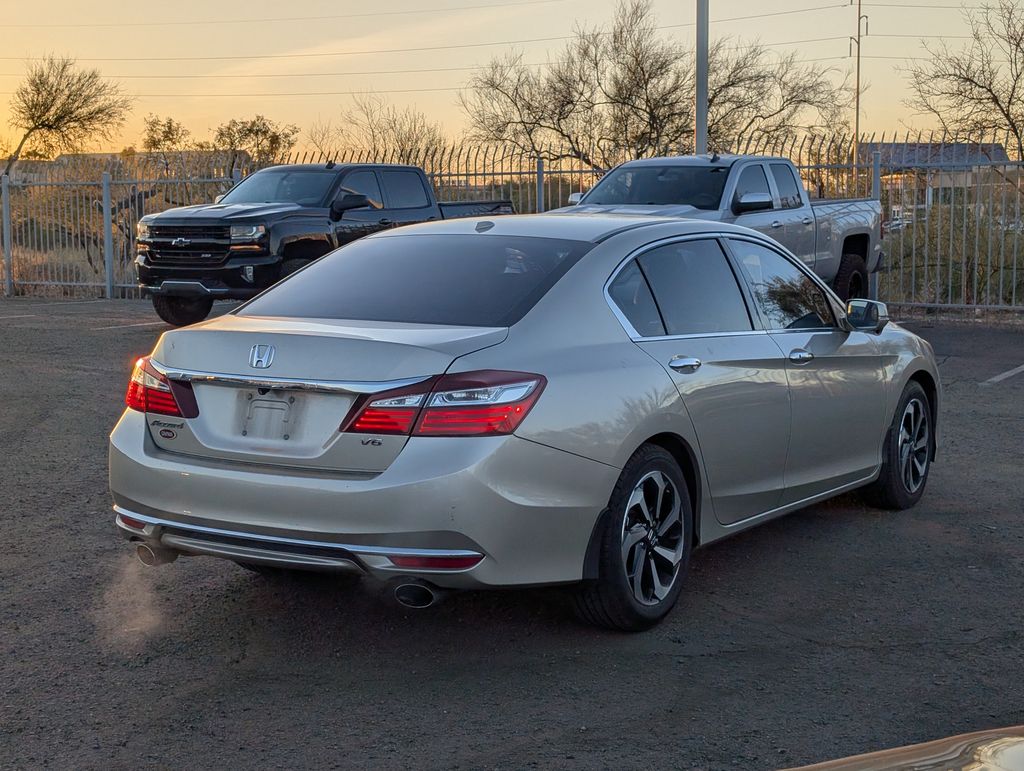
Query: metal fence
(953, 231)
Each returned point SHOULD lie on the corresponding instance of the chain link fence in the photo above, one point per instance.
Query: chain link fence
(953, 231)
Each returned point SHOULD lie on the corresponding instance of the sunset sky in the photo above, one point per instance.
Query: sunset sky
(164, 52)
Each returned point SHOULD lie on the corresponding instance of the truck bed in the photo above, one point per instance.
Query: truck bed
(458, 209)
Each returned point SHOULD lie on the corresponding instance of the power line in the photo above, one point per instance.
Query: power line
(104, 24)
(403, 50)
(300, 93)
(293, 74)
(925, 5)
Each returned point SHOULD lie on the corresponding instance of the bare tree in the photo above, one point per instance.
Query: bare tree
(626, 89)
(60, 106)
(978, 89)
(380, 129)
(264, 140)
(165, 135)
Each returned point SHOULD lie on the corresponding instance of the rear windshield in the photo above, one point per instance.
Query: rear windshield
(461, 280)
(697, 186)
(308, 188)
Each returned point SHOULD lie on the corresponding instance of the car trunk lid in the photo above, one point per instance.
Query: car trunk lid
(275, 391)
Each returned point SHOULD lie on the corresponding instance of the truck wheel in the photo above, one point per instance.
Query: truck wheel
(852, 278)
(644, 546)
(290, 266)
(182, 311)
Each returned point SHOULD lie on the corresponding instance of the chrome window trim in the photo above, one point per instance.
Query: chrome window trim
(352, 387)
(636, 336)
(383, 551)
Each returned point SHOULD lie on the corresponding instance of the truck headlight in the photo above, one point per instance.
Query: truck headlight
(247, 232)
(142, 230)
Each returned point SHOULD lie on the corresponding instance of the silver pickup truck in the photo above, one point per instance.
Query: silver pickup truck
(839, 239)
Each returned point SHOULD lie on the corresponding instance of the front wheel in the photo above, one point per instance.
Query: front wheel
(182, 311)
(906, 453)
(644, 547)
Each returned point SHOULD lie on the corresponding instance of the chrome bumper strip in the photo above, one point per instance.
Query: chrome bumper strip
(360, 549)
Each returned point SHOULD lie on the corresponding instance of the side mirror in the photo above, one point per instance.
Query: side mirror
(575, 198)
(219, 198)
(749, 202)
(867, 315)
(347, 202)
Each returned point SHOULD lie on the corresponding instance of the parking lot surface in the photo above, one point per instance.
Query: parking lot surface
(837, 630)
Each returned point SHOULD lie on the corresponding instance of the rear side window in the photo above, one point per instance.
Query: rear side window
(695, 288)
(405, 190)
(752, 180)
(789, 191)
(786, 296)
(362, 182)
(631, 294)
(474, 280)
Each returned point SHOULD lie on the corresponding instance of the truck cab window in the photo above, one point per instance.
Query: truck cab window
(789, 190)
(363, 182)
(752, 180)
(405, 190)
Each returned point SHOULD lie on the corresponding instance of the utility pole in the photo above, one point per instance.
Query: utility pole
(862, 23)
(700, 129)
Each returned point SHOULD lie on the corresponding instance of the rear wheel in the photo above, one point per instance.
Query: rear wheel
(644, 546)
(182, 311)
(906, 454)
(852, 278)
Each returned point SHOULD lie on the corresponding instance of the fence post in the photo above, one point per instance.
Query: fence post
(236, 175)
(876, 194)
(8, 256)
(540, 184)
(108, 237)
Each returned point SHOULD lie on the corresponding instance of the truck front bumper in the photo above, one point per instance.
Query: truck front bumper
(238, 278)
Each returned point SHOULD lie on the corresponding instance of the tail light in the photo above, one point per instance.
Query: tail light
(150, 391)
(483, 403)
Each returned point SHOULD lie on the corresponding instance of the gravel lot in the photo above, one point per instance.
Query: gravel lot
(833, 631)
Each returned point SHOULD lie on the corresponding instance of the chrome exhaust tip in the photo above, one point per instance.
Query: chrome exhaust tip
(416, 594)
(152, 556)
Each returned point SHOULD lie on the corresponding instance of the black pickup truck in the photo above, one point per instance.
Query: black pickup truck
(271, 224)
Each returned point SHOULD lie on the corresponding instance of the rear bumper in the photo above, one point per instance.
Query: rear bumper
(527, 508)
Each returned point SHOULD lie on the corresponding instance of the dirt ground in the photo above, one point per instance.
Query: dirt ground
(833, 631)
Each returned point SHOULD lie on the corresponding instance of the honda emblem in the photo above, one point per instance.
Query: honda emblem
(261, 356)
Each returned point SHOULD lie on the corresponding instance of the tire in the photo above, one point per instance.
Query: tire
(617, 599)
(182, 311)
(906, 453)
(290, 266)
(852, 278)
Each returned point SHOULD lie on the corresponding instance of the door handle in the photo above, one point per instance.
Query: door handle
(807, 221)
(800, 356)
(384, 221)
(776, 224)
(685, 364)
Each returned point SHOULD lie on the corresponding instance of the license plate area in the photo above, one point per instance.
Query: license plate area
(269, 415)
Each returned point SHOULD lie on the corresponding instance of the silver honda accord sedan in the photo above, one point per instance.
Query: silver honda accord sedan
(538, 400)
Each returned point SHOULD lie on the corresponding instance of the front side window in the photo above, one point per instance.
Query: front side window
(785, 295)
(695, 288)
(405, 189)
(364, 183)
(752, 180)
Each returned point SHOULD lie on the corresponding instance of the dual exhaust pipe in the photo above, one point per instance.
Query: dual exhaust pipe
(409, 593)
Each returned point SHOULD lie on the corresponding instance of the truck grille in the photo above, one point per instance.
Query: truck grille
(189, 244)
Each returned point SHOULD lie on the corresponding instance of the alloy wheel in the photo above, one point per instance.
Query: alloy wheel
(652, 538)
(914, 441)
